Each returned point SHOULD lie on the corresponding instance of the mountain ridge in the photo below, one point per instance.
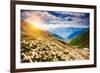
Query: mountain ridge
(82, 40)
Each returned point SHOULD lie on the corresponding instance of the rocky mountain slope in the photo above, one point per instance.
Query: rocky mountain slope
(39, 46)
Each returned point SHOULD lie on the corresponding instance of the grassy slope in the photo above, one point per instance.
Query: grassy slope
(82, 40)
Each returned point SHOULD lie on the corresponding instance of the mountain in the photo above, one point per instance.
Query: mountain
(74, 34)
(32, 31)
(68, 33)
(56, 36)
(82, 40)
(38, 45)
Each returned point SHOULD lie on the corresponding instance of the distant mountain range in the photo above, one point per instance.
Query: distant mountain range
(57, 36)
(66, 34)
(75, 36)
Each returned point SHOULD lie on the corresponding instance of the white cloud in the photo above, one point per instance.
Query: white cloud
(66, 21)
(49, 18)
(54, 26)
(47, 21)
(42, 14)
(77, 14)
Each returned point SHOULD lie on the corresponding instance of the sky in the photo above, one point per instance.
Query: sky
(61, 23)
(55, 19)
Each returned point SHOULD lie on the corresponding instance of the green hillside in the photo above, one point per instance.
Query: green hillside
(82, 40)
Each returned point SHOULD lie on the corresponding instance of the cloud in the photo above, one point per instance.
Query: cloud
(66, 20)
(44, 15)
(76, 14)
(54, 26)
(46, 20)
